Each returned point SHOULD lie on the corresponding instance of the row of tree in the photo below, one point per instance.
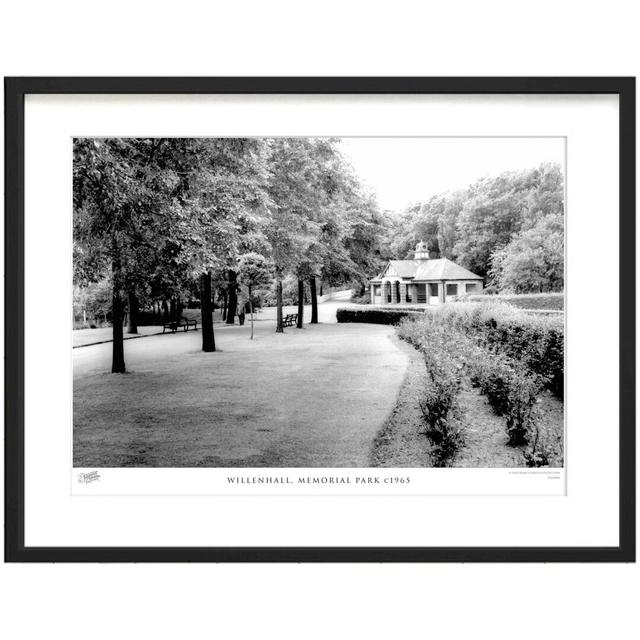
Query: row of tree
(168, 219)
(508, 229)
(160, 221)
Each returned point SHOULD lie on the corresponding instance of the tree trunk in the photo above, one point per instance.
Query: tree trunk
(251, 312)
(223, 309)
(233, 297)
(208, 339)
(173, 310)
(165, 311)
(314, 300)
(321, 288)
(133, 313)
(279, 328)
(300, 303)
(117, 362)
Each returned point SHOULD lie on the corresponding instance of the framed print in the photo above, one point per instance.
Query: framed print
(320, 319)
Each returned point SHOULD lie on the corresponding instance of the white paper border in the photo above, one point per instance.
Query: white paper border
(586, 516)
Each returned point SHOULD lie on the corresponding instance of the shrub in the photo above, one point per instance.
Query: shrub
(538, 454)
(92, 304)
(492, 376)
(521, 408)
(374, 316)
(511, 391)
(358, 298)
(535, 341)
(440, 408)
(544, 301)
(507, 354)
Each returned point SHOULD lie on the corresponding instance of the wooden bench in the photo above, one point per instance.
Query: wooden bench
(290, 320)
(184, 324)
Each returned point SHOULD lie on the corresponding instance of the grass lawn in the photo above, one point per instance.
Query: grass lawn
(311, 397)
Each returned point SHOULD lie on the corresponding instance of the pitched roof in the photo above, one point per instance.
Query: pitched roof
(437, 269)
(443, 269)
(404, 268)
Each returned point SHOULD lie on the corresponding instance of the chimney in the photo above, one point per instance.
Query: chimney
(421, 252)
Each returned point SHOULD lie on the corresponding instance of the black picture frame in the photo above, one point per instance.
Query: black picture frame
(15, 91)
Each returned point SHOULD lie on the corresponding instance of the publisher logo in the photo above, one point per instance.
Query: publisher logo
(87, 478)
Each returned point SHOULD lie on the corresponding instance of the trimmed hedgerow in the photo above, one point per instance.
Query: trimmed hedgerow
(375, 316)
(537, 454)
(536, 342)
(505, 353)
(532, 301)
(512, 392)
(439, 399)
(440, 407)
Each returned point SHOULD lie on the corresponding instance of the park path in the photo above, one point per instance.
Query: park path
(312, 397)
(326, 313)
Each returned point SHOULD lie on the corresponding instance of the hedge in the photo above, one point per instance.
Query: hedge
(535, 341)
(376, 316)
(533, 301)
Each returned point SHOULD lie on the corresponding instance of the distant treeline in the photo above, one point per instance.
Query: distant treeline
(508, 229)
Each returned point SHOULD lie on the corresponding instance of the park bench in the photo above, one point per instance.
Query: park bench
(184, 324)
(290, 320)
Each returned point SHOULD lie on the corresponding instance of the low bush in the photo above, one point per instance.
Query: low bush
(521, 412)
(512, 392)
(509, 355)
(492, 375)
(535, 341)
(544, 301)
(374, 315)
(537, 455)
(440, 408)
(358, 298)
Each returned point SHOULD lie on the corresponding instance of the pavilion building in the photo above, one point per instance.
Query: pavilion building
(423, 280)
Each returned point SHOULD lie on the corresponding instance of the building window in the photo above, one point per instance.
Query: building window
(433, 289)
(452, 289)
(408, 294)
(471, 286)
(376, 290)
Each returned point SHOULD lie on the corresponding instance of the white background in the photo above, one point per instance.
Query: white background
(586, 516)
(489, 38)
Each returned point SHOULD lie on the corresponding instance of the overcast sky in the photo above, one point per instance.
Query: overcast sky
(405, 170)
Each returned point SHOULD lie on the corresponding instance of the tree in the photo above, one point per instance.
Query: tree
(156, 215)
(208, 337)
(226, 179)
(364, 241)
(472, 225)
(534, 259)
(293, 191)
(253, 271)
(232, 291)
(109, 194)
(132, 324)
(342, 210)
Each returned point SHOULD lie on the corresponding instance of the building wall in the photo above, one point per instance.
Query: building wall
(411, 289)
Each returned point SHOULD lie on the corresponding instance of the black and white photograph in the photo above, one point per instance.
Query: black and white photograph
(318, 302)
